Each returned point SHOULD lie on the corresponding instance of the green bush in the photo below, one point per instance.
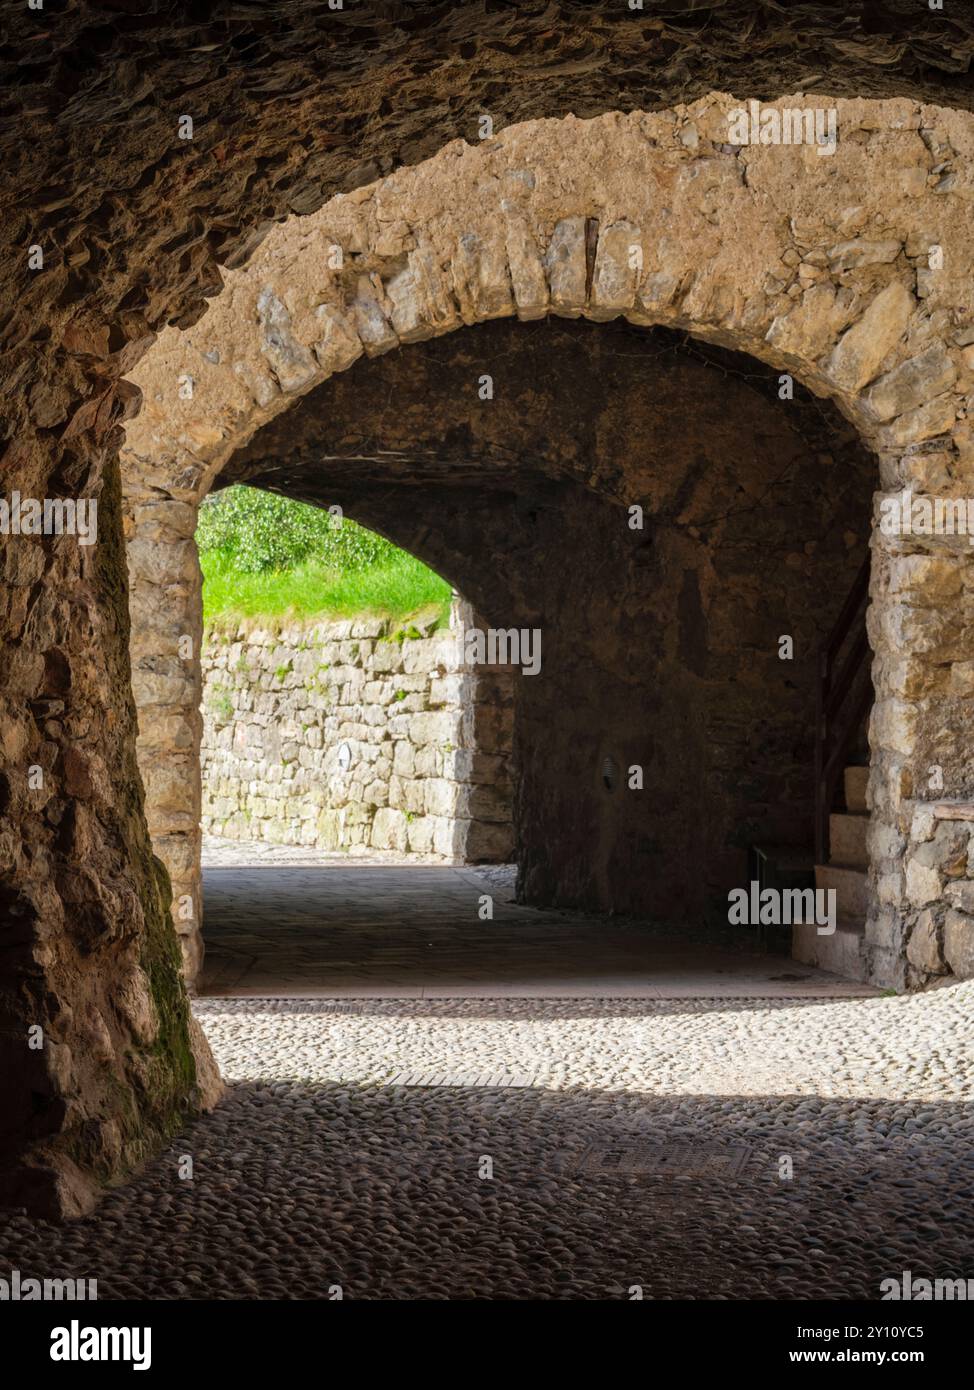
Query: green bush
(261, 531)
(268, 556)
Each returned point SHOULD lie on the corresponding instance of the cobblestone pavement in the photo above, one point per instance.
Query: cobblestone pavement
(630, 1142)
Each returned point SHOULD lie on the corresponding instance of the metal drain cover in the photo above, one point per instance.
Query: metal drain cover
(663, 1160)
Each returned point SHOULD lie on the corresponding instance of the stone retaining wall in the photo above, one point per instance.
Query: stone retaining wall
(357, 735)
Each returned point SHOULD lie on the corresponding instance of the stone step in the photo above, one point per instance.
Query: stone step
(841, 953)
(856, 780)
(851, 898)
(847, 840)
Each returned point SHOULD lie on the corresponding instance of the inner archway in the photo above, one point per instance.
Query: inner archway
(710, 507)
(660, 640)
(338, 713)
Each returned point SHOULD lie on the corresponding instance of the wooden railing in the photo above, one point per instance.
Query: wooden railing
(843, 696)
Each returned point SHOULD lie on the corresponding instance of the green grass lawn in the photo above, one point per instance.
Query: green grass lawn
(398, 587)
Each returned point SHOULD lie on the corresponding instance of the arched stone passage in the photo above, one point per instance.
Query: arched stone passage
(660, 643)
(858, 286)
(132, 230)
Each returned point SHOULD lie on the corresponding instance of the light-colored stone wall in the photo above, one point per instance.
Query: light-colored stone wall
(940, 888)
(356, 735)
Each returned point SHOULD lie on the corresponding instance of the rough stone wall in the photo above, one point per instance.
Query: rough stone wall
(643, 665)
(357, 735)
(166, 603)
(89, 955)
(940, 886)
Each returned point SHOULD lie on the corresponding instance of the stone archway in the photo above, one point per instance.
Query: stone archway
(136, 226)
(755, 512)
(823, 266)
